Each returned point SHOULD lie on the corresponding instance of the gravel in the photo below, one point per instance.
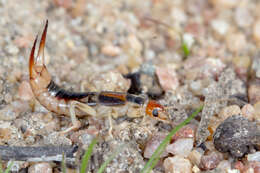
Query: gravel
(93, 46)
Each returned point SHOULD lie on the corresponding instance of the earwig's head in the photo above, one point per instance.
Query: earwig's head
(37, 70)
(155, 110)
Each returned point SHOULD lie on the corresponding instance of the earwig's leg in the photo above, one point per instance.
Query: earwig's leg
(110, 126)
(75, 122)
(85, 108)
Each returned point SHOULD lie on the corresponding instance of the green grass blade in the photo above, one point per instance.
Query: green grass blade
(9, 167)
(104, 165)
(185, 49)
(63, 165)
(1, 168)
(87, 155)
(156, 155)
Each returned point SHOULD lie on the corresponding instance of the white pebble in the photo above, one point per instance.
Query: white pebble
(182, 147)
(254, 157)
(188, 39)
(220, 26)
(40, 168)
(177, 164)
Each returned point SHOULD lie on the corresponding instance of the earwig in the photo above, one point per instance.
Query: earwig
(73, 104)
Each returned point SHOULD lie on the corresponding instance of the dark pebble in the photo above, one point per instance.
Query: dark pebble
(236, 135)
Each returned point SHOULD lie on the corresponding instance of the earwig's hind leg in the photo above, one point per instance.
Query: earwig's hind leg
(110, 126)
(75, 122)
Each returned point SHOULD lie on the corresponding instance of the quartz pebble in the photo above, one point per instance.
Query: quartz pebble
(209, 161)
(243, 17)
(177, 164)
(152, 145)
(195, 156)
(224, 166)
(242, 64)
(167, 78)
(40, 168)
(56, 139)
(181, 147)
(220, 26)
(25, 91)
(13, 110)
(229, 111)
(236, 42)
(109, 81)
(254, 157)
(187, 131)
(248, 111)
(110, 50)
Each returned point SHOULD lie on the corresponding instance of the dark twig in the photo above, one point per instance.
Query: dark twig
(38, 154)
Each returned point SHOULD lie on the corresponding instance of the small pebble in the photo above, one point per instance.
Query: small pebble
(187, 131)
(167, 78)
(254, 91)
(153, 144)
(181, 147)
(229, 111)
(211, 67)
(17, 165)
(195, 169)
(243, 17)
(248, 111)
(195, 156)
(13, 110)
(109, 81)
(23, 41)
(134, 44)
(236, 135)
(236, 42)
(11, 49)
(40, 168)
(239, 166)
(188, 39)
(110, 50)
(25, 91)
(196, 86)
(242, 64)
(220, 26)
(177, 164)
(55, 138)
(224, 166)
(254, 157)
(209, 161)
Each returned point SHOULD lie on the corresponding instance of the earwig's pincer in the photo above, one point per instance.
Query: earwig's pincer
(60, 101)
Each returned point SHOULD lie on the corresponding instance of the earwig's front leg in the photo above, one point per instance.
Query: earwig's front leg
(75, 122)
